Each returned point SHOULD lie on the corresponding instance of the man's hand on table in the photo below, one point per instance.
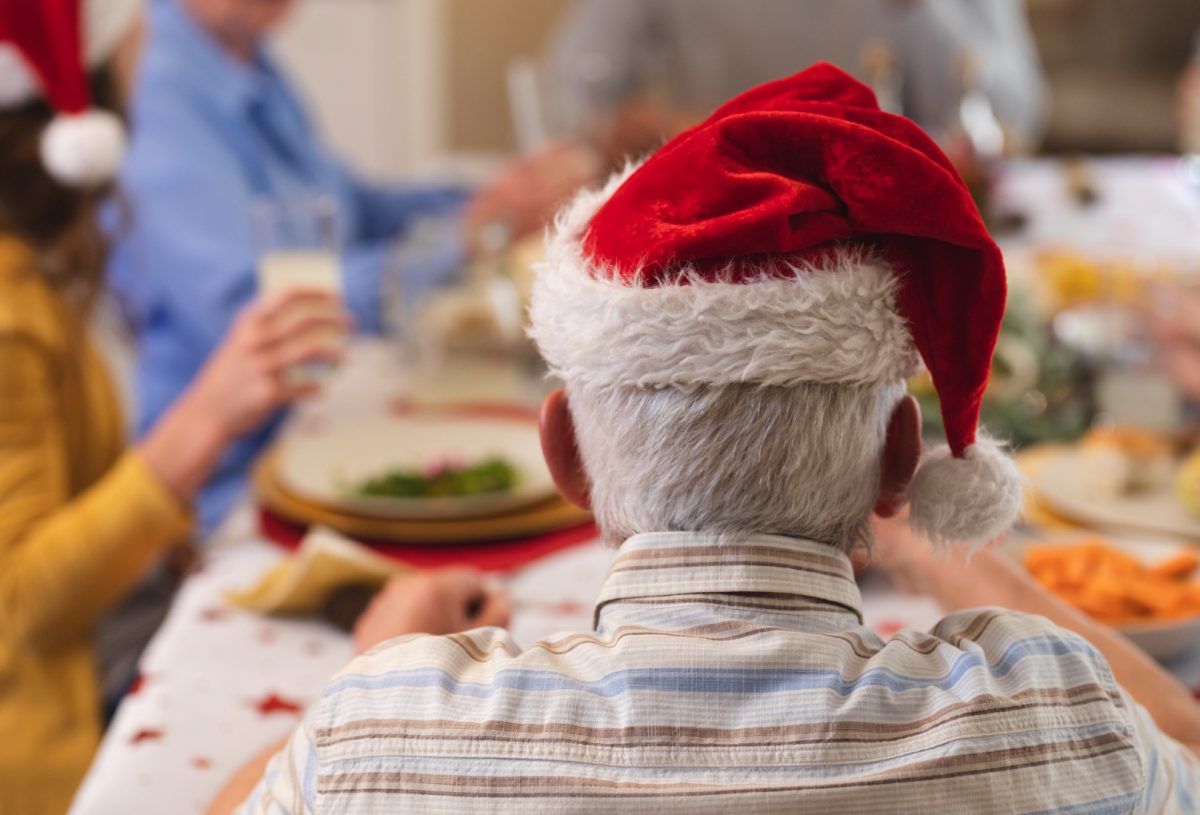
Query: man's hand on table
(436, 602)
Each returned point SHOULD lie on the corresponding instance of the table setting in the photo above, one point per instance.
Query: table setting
(429, 457)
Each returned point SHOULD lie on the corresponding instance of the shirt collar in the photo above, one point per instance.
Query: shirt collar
(669, 564)
(227, 82)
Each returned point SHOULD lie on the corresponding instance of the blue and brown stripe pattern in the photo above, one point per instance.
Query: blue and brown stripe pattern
(732, 674)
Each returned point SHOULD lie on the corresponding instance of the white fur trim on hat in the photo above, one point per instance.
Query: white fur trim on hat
(835, 324)
(973, 499)
(85, 149)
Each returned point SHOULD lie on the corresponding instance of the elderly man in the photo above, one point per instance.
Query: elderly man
(217, 130)
(734, 321)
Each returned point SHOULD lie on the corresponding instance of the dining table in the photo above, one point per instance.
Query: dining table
(218, 684)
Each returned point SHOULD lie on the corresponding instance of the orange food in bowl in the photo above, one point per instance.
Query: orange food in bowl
(1115, 587)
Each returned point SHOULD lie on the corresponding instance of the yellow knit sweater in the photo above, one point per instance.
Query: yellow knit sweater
(80, 523)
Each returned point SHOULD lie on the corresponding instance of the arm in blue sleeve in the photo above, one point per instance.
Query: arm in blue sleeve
(387, 212)
(408, 243)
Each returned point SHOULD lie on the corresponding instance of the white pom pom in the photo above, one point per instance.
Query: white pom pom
(973, 499)
(84, 149)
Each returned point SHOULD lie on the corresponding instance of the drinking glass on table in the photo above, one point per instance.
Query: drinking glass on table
(299, 250)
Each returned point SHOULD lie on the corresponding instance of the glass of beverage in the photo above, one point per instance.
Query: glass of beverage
(299, 250)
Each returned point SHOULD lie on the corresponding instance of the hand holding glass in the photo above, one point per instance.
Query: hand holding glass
(299, 252)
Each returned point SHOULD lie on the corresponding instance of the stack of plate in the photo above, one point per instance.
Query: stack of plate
(308, 478)
(1065, 482)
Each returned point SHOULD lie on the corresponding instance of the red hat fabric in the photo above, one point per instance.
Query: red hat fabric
(794, 165)
(45, 46)
(48, 35)
(797, 234)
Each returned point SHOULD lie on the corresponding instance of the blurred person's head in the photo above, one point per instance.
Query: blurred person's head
(735, 320)
(239, 25)
(40, 203)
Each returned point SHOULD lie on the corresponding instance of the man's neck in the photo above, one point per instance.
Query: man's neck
(237, 45)
(228, 36)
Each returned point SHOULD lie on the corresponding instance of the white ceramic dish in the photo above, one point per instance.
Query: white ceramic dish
(1070, 485)
(321, 466)
(1165, 640)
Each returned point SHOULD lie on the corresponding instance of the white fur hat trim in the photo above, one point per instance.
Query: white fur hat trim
(836, 324)
(85, 149)
(973, 499)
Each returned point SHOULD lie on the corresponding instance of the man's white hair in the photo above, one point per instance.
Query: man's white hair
(800, 460)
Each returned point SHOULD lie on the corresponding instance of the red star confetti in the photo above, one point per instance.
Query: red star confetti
(136, 686)
(566, 608)
(146, 734)
(201, 763)
(274, 703)
(889, 628)
(267, 635)
(214, 615)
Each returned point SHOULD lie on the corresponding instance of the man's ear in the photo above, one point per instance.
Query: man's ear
(561, 450)
(901, 454)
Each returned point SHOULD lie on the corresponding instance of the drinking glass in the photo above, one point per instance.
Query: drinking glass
(299, 250)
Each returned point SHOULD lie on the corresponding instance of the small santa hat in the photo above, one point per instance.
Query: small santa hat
(46, 49)
(799, 234)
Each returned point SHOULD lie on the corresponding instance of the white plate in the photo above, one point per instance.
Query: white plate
(1165, 640)
(1068, 484)
(321, 466)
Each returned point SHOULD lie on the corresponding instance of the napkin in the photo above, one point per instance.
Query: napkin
(325, 561)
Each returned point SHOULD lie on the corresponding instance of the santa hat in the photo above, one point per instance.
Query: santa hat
(46, 49)
(799, 234)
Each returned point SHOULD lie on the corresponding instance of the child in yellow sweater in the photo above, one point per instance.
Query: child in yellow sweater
(82, 518)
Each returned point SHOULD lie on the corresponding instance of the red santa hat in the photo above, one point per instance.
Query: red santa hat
(799, 234)
(46, 49)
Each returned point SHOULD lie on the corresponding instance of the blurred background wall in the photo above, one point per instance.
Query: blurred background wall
(397, 83)
(1112, 66)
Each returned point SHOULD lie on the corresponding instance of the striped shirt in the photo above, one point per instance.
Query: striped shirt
(733, 675)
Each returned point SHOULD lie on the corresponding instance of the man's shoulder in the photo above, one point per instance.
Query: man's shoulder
(1016, 644)
(418, 662)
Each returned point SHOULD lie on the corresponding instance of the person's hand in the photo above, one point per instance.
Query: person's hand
(245, 380)
(901, 553)
(242, 384)
(434, 602)
(1175, 323)
(525, 196)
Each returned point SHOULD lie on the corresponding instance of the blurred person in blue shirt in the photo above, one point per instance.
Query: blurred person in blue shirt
(216, 130)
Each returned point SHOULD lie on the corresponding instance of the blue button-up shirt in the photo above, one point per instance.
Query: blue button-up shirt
(212, 136)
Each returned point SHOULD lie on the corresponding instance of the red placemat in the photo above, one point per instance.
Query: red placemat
(496, 556)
